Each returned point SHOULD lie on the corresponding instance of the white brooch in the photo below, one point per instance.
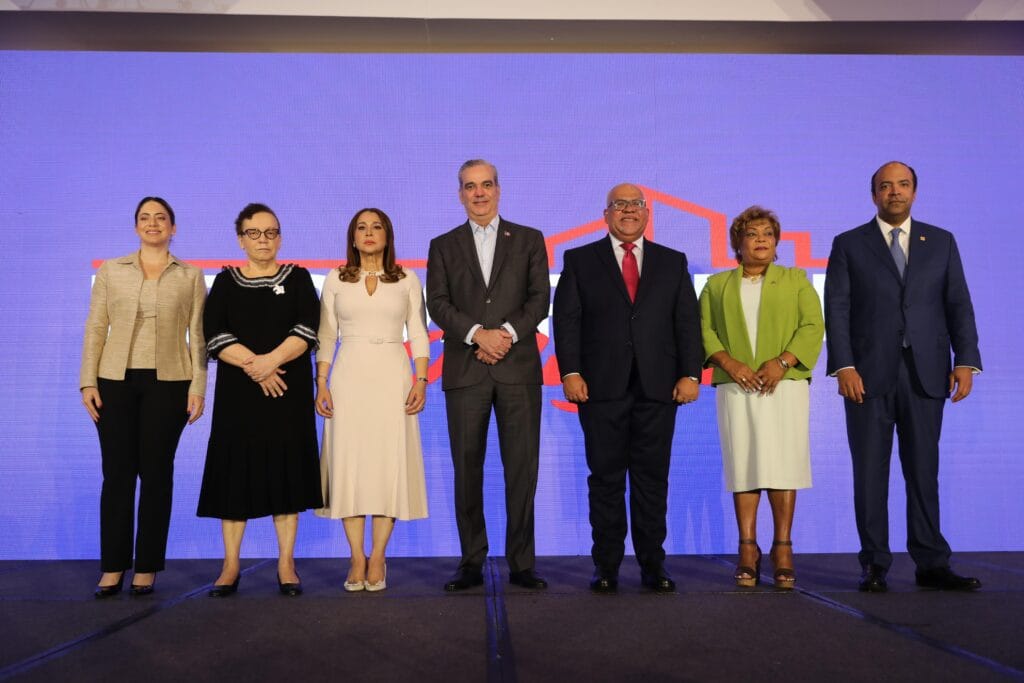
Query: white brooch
(508, 234)
(278, 289)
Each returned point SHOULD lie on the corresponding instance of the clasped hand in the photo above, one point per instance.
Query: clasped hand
(264, 370)
(492, 345)
(763, 381)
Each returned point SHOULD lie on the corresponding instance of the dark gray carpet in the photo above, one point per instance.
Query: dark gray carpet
(51, 629)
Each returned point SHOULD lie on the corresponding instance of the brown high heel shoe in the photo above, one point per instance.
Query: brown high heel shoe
(747, 576)
(785, 577)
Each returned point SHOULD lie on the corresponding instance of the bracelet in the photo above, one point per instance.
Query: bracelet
(421, 379)
(783, 363)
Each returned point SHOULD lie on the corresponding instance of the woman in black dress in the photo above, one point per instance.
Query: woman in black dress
(261, 322)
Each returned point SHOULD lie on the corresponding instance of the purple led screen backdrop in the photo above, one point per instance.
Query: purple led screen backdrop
(84, 135)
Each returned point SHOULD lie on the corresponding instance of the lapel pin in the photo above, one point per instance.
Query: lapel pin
(921, 238)
(508, 234)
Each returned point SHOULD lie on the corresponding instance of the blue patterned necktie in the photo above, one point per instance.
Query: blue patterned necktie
(897, 251)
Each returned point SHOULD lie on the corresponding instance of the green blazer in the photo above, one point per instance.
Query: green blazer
(789, 320)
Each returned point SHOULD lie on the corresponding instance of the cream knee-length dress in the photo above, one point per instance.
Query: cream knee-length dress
(371, 460)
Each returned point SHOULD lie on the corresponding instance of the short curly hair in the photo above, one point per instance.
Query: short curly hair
(750, 215)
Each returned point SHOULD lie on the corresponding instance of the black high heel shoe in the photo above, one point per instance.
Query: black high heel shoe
(138, 590)
(747, 576)
(109, 591)
(292, 590)
(224, 591)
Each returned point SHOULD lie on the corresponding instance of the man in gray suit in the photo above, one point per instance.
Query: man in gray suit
(488, 289)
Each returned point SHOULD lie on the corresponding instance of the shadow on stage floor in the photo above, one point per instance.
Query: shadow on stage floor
(51, 629)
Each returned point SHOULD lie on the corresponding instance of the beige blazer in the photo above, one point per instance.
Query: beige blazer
(181, 293)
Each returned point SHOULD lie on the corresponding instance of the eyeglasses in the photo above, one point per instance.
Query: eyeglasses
(623, 204)
(269, 233)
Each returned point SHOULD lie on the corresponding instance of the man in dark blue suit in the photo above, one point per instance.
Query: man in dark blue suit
(627, 337)
(896, 302)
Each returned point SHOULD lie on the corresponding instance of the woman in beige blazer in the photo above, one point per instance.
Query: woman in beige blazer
(143, 376)
(762, 329)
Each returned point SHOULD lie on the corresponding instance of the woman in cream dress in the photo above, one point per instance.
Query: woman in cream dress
(372, 459)
(762, 329)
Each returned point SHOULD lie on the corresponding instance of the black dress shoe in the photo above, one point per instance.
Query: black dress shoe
(604, 583)
(872, 579)
(465, 577)
(658, 581)
(109, 591)
(527, 578)
(292, 590)
(943, 579)
(224, 591)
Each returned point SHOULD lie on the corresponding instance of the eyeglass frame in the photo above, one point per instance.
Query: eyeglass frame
(627, 203)
(248, 232)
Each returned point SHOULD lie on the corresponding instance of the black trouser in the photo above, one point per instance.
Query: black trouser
(630, 436)
(517, 409)
(140, 423)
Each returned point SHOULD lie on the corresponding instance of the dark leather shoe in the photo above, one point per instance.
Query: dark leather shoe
(527, 578)
(465, 577)
(658, 581)
(943, 579)
(292, 590)
(604, 583)
(872, 579)
(224, 591)
(109, 591)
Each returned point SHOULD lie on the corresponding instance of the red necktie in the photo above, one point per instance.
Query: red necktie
(630, 272)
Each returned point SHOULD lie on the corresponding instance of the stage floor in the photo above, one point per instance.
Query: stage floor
(52, 629)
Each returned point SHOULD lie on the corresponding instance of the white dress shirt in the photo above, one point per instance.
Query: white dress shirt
(485, 237)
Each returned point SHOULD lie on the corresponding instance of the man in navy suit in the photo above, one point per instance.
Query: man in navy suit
(628, 342)
(488, 288)
(896, 302)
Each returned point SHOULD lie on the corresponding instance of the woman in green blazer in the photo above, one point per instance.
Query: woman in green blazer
(762, 330)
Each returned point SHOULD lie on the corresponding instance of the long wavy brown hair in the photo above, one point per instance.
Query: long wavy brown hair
(350, 271)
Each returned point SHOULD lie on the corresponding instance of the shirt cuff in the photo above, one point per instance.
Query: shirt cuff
(512, 331)
(845, 367)
(472, 331)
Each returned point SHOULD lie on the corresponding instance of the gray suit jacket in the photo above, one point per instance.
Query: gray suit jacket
(181, 294)
(519, 293)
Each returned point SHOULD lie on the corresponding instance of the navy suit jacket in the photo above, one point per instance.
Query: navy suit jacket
(869, 310)
(598, 332)
(519, 292)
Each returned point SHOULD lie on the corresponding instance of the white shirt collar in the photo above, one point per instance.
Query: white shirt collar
(492, 226)
(886, 228)
(616, 242)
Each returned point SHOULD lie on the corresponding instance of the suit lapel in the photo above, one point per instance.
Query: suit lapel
(732, 305)
(769, 297)
(464, 237)
(918, 248)
(503, 242)
(611, 267)
(650, 257)
(875, 243)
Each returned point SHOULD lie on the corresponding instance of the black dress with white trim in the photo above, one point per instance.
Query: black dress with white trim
(262, 458)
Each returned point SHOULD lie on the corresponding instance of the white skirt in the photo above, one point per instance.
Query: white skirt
(765, 439)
